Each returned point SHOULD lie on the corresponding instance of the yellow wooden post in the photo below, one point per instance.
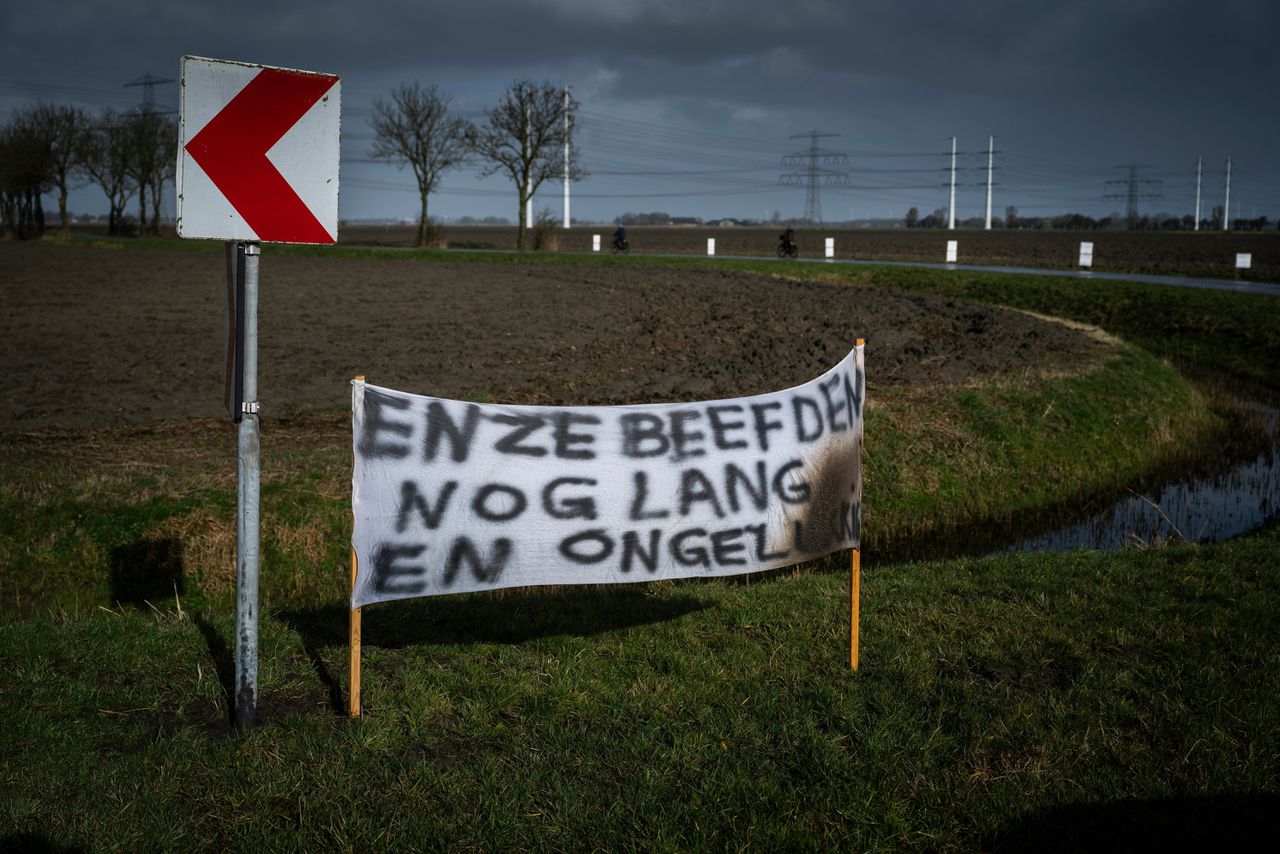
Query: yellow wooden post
(855, 591)
(355, 647)
(354, 640)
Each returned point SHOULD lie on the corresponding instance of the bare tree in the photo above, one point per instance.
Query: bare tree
(104, 158)
(152, 141)
(166, 170)
(9, 196)
(60, 130)
(524, 137)
(415, 129)
(25, 176)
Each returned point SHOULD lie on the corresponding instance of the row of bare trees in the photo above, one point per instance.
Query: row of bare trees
(525, 137)
(56, 148)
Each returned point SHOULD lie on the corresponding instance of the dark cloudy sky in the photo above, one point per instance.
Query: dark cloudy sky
(688, 105)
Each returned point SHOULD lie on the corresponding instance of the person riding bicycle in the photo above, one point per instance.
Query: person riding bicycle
(788, 237)
(620, 237)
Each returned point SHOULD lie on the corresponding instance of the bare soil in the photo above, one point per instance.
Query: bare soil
(101, 337)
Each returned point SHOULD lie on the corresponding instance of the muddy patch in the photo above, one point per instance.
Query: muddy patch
(96, 338)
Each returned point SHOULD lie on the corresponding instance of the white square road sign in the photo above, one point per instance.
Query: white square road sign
(258, 153)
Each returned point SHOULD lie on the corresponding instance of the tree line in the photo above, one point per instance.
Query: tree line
(56, 148)
(527, 137)
(1082, 222)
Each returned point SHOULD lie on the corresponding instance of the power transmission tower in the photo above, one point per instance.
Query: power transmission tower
(812, 172)
(148, 83)
(1134, 191)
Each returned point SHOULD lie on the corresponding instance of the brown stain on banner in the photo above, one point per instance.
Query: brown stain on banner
(830, 519)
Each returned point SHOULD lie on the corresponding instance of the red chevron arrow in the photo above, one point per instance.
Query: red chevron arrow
(232, 150)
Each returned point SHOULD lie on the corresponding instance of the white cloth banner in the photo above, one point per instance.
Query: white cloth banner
(451, 497)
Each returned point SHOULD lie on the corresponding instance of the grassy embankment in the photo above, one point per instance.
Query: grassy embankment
(1058, 699)
(1033, 699)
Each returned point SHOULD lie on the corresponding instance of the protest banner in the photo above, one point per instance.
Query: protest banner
(450, 496)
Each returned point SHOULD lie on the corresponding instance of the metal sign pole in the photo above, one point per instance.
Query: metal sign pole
(232, 114)
(233, 387)
(247, 517)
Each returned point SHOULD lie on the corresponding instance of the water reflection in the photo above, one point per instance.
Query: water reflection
(1197, 510)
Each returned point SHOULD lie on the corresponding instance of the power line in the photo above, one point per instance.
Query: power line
(813, 164)
(1133, 192)
(148, 83)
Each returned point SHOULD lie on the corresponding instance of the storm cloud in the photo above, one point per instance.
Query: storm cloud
(1070, 90)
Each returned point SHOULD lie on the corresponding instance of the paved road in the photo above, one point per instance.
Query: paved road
(1180, 281)
(1266, 288)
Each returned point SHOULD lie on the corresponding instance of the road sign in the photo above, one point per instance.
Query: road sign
(258, 153)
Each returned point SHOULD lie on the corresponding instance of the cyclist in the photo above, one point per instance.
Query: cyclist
(619, 237)
(788, 238)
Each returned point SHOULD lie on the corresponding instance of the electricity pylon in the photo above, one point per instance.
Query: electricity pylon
(148, 83)
(812, 172)
(1133, 192)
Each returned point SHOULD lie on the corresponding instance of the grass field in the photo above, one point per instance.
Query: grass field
(1050, 701)
(1036, 702)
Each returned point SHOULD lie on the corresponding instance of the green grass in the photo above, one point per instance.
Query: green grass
(1004, 450)
(1208, 333)
(997, 697)
(102, 521)
(1044, 702)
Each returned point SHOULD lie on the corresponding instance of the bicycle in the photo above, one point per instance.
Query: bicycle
(788, 249)
(621, 246)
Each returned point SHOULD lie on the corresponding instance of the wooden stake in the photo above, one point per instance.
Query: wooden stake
(855, 593)
(355, 648)
(354, 640)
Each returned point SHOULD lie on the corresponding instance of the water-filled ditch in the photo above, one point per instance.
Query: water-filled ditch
(1224, 495)
(1204, 508)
